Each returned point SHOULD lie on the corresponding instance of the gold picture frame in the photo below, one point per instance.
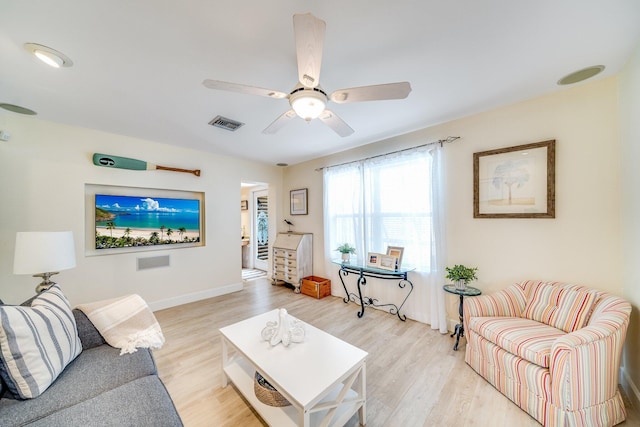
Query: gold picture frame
(515, 182)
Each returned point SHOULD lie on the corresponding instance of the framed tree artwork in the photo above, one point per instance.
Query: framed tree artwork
(515, 182)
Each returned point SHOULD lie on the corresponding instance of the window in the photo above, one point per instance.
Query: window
(392, 200)
(380, 202)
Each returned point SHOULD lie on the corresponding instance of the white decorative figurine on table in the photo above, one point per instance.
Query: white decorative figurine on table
(285, 330)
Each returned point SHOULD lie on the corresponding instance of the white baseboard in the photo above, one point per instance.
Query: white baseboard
(452, 324)
(196, 296)
(630, 388)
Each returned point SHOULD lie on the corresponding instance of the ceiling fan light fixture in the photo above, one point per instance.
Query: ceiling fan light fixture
(308, 104)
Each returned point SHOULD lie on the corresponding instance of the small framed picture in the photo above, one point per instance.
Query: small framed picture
(388, 262)
(397, 252)
(298, 201)
(373, 259)
(244, 205)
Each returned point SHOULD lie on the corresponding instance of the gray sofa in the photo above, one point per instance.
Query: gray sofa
(99, 388)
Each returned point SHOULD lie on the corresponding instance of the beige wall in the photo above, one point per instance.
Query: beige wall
(630, 181)
(43, 170)
(582, 244)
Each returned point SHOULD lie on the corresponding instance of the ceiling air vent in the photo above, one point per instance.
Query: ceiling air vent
(224, 123)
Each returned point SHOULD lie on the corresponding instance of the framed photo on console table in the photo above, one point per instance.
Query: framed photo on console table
(515, 182)
(373, 259)
(397, 252)
(388, 262)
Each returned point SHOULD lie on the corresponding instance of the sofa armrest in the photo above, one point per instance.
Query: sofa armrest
(89, 335)
(509, 302)
(585, 364)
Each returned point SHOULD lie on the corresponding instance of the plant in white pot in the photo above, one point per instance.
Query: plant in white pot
(461, 275)
(346, 250)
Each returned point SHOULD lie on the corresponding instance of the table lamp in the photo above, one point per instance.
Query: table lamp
(43, 254)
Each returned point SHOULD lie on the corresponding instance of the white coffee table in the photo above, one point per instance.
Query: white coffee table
(323, 377)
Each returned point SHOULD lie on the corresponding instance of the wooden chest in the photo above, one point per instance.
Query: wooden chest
(317, 287)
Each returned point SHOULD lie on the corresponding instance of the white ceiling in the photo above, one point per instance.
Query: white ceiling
(139, 65)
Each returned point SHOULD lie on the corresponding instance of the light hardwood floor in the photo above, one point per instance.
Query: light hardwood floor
(414, 378)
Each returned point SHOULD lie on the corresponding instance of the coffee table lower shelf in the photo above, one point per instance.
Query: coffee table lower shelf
(241, 373)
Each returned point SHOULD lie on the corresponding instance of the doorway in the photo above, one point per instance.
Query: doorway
(254, 218)
(260, 236)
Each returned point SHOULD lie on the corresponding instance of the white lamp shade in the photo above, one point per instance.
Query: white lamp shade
(43, 252)
(308, 104)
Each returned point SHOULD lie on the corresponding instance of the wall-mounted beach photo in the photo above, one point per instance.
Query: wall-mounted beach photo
(132, 221)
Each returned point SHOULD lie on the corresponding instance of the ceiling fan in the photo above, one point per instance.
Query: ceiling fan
(307, 99)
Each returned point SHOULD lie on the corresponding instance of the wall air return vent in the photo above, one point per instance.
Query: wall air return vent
(153, 262)
(224, 123)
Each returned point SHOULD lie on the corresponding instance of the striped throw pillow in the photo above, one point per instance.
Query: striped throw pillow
(37, 343)
(561, 306)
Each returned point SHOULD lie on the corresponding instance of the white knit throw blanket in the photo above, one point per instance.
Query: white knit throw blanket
(126, 323)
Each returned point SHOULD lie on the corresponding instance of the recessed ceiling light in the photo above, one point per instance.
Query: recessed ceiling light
(581, 75)
(48, 55)
(18, 109)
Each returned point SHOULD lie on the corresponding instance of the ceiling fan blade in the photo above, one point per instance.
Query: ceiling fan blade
(309, 34)
(338, 125)
(278, 123)
(249, 90)
(372, 93)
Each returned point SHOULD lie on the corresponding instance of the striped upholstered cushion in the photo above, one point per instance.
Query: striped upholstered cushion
(37, 343)
(562, 306)
(526, 338)
(509, 302)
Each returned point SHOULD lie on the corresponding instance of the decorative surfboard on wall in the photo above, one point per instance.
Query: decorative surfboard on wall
(118, 162)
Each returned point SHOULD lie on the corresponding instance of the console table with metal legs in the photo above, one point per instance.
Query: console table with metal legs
(469, 292)
(363, 272)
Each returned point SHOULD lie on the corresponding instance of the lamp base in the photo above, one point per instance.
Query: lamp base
(46, 283)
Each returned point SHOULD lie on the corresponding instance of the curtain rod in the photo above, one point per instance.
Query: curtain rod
(447, 140)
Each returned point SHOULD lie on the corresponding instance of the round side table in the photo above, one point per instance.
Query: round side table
(469, 291)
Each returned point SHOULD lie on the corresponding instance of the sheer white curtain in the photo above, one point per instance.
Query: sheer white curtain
(391, 200)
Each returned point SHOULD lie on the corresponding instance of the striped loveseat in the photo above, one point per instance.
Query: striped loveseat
(552, 348)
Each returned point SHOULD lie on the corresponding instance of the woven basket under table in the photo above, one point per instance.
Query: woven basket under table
(266, 393)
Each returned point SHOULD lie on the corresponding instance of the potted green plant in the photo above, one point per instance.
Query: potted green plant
(346, 250)
(461, 275)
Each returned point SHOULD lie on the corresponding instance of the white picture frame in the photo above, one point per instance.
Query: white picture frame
(90, 192)
(373, 259)
(388, 262)
(396, 251)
